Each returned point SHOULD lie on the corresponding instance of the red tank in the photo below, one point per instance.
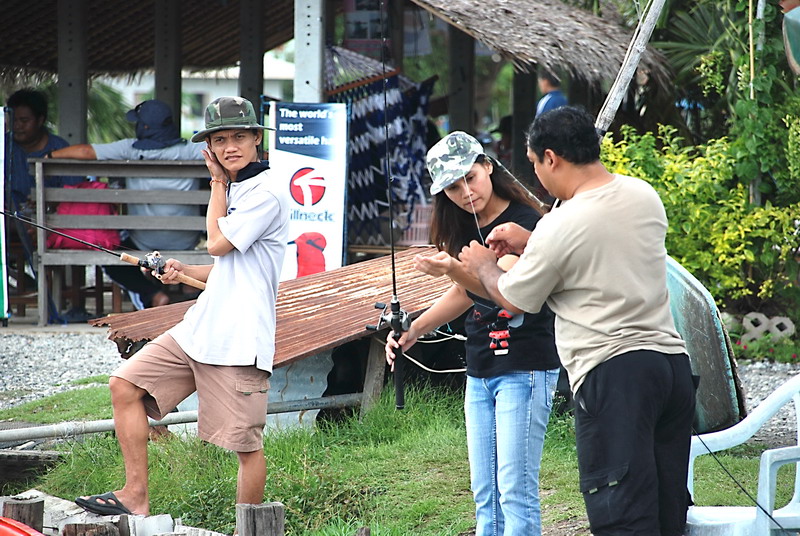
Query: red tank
(9, 527)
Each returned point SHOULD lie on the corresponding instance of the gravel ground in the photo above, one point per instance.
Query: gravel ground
(759, 380)
(37, 364)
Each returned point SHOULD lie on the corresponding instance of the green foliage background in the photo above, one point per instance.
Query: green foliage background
(743, 253)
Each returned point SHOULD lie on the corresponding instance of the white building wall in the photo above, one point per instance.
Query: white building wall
(200, 88)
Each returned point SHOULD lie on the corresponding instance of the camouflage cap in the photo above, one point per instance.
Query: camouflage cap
(451, 159)
(227, 113)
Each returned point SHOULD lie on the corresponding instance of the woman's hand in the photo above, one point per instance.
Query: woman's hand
(436, 265)
(405, 342)
(172, 268)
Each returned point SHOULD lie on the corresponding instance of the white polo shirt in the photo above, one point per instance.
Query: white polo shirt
(233, 321)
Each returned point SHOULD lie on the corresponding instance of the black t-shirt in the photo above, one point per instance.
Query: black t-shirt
(498, 342)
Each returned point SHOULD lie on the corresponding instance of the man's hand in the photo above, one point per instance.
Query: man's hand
(213, 165)
(171, 270)
(482, 263)
(476, 257)
(508, 238)
(436, 265)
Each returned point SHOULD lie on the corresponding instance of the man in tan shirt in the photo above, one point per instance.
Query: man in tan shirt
(599, 261)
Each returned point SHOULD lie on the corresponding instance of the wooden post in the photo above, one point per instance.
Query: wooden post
(260, 519)
(90, 529)
(461, 96)
(373, 379)
(27, 511)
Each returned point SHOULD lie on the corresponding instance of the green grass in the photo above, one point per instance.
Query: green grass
(91, 401)
(399, 472)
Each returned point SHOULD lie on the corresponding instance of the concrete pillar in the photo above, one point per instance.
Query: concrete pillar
(251, 50)
(309, 38)
(461, 102)
(168, 55)
(72, 70)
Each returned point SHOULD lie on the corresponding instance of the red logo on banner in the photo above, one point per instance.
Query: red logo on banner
(306, 188)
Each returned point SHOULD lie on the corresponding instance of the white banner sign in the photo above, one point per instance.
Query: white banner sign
(308, 151)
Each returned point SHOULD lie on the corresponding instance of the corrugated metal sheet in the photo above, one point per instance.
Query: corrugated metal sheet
(316, 312)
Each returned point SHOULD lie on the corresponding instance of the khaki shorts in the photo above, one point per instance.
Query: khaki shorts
(232, 401)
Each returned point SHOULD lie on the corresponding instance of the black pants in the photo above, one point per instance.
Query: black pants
(633, 423)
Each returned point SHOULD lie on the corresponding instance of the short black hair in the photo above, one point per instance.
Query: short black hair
(33, 99)
(569, 132)
(544, 74)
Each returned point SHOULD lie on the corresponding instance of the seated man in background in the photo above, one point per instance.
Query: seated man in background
(157, 138)
(31, 139)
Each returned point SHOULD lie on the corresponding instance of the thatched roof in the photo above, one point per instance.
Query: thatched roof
(549, 33)
(121, 34)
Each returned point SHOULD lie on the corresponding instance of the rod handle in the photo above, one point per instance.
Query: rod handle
(191, 281)
(130, 259)
(399, 374)
(182, 278)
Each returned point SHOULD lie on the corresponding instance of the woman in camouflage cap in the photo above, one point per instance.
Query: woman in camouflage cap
(512, 365)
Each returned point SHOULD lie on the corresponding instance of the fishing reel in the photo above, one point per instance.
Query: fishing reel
(392, 316)
(396, 318)
(153, 261)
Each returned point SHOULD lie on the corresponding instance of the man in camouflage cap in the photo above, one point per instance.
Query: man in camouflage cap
(223, 348)
(228, 113)
(451, 159)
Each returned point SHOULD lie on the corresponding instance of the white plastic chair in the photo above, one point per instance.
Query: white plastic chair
(750, 520)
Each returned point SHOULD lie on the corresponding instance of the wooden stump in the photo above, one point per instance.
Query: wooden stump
(90, 529)
(27, 511)
(260, 519)
(363, 531)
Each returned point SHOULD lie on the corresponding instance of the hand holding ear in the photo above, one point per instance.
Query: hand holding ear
(213, 165)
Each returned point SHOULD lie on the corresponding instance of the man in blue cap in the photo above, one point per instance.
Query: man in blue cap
(157, 138)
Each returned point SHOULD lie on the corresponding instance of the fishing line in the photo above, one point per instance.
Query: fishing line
(474, 214)
(733, 478)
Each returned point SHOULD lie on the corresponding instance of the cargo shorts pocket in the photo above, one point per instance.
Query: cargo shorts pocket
(253, 384)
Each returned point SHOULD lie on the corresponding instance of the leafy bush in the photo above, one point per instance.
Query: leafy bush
(744, 254)
(766, 348)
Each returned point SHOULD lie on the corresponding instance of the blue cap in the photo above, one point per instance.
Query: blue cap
(153, 113)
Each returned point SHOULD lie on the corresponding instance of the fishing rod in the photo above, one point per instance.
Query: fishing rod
(394, 315)
(152, 261)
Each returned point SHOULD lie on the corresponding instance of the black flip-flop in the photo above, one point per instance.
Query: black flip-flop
(106, 504)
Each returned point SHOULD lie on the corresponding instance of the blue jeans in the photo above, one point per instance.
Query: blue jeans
(506, 420)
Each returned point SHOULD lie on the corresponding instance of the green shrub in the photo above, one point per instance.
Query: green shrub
(766, 348)
(744, 254)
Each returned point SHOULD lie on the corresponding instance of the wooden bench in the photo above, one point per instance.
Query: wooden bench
(47, 258)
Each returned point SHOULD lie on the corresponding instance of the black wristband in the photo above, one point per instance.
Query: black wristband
(48, 154)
